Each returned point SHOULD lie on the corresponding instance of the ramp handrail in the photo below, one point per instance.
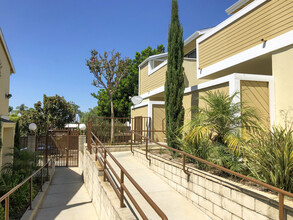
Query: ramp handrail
(103, 151)
(30, 178)
(281, 192)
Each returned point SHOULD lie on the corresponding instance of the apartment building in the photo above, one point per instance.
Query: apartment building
(251, 52)
(7, 131)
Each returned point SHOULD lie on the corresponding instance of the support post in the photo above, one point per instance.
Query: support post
(41, 188)
(281, 206)
(121, 189)
(7, 208)
(89, 132)
(105, 158)
(31, 193)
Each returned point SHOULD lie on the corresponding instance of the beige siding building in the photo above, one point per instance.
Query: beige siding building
(250, 52)
(7, 131)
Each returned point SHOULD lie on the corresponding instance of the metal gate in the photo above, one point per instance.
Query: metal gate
(62, 145)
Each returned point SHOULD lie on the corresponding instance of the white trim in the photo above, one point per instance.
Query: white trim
(4, 117)
(138, 81)
(153, 92)
(151, 71)
(231, 19)
(195, 35)
(236, 6)
(150, 108)
(256, 51)
(7, 51)
(139, 105)
(153, 57)
(234, 86)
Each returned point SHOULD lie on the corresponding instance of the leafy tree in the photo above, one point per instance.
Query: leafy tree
(54, 112)
(93, 112)
(128, 87)
(21, 108)
(10, 109)
(174, 85)
(76, 109)
(108, 70)
(17, 136)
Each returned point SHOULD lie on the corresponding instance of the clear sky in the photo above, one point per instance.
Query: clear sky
(49, 40)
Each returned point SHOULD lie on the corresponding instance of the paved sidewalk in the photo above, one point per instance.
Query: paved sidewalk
(67, 198)
(173, 204)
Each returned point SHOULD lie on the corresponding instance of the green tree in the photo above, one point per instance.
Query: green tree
(108, 70)
(10, 109)
(21, 108)
(54, 112)
(128, 87)
(92, 112)
(174, 85)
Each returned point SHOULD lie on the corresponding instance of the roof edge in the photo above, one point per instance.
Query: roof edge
(186, 41)
(236, 6)
(7, 51)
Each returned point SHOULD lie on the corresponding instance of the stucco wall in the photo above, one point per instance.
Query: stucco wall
(283, 74)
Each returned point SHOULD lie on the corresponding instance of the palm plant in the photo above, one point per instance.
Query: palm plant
(270, 157)
(225, 124)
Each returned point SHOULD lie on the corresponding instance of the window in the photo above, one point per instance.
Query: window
(191, 54)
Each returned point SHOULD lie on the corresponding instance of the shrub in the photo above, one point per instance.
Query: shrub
(270, 157)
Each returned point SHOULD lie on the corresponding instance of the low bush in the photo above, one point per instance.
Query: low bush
(270, 157)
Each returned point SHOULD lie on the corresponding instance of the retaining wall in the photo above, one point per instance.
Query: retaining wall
(104, 199)
(218, 197)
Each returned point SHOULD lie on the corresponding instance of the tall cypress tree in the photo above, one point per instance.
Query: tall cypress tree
(174, 85)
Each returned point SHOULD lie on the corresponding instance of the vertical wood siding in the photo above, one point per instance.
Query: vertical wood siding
(158, 116)
(256, 95)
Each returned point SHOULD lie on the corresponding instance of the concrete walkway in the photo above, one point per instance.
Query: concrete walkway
(67, 198)
(173, 204)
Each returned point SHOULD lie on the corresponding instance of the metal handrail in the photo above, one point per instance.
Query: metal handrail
(123, 173)
(30, 178)
(281, 192)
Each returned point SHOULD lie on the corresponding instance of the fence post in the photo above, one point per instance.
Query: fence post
(147, 150)
(121, 189)
(31, 193)
(281, 206)
(67, 148)
(89, 132)
(131, 142)
(105, 158)
(7, 208)
(41, 180)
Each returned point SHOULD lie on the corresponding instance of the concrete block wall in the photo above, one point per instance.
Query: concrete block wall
(218, 197)
(104, 199)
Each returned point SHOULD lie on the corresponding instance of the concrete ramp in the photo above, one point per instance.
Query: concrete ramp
(173, 204)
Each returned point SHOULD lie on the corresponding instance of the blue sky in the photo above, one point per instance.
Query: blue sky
(49, 41)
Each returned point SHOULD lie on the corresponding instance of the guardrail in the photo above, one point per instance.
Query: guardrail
(30, 178)
(104, 152)
(281, 192)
